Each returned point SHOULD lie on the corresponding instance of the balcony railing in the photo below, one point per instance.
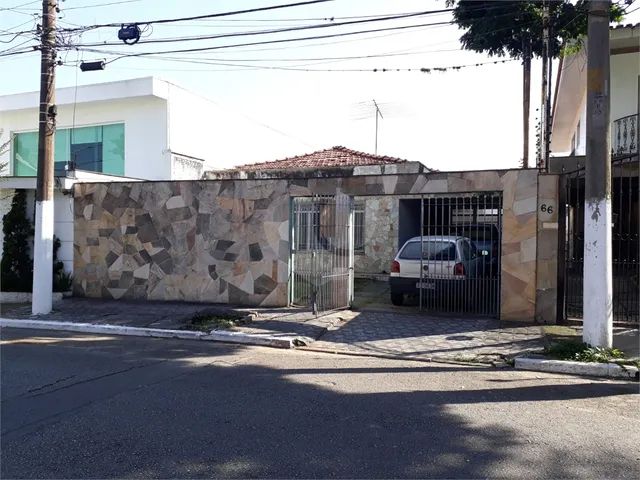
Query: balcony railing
(625, 137)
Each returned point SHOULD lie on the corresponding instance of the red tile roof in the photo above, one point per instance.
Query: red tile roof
(334, 157)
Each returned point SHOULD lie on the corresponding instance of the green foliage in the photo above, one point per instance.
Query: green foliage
(508, 27)
(582, 352)
(16, 268)
(565, 349)
(58, 266)
(599, 354)
(62, 280)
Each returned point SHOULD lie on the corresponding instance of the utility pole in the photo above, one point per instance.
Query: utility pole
(547, 137)
(43, 238)
(597, 296)
(526, 100)
(543, 104)
(378, 113)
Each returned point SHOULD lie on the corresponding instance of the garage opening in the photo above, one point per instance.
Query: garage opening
(448, 257)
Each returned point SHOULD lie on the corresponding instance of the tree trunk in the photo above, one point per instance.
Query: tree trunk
(526, 102)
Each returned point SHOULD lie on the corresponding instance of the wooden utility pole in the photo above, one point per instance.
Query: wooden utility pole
(547, 113)
(597, 292)
(544, 122)
(44, 221)
(378, 112)
(526, 101)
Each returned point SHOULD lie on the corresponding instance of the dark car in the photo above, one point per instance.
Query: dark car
(486, 238)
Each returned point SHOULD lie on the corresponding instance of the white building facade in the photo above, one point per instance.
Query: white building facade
(140, 129)
(568, 136)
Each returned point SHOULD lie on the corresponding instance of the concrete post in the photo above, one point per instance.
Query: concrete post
(43, 238)
(597, 299)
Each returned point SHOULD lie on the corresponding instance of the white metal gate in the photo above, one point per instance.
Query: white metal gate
(322, 252)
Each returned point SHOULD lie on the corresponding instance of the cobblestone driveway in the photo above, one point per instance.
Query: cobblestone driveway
(430, 337)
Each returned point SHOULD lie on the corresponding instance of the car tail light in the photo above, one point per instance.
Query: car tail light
(395, 267)
(458, 269)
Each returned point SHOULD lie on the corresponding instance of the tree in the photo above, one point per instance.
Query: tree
(16, 267)
(515, 28)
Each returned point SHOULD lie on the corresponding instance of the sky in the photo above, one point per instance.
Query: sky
(461, 119)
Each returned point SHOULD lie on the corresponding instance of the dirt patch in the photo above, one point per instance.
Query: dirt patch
(208, 322)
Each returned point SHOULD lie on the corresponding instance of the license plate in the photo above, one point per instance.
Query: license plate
(426, 285)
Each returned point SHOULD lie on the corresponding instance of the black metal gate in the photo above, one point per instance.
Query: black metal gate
(625, 241)
(460, 260)
(322, 248)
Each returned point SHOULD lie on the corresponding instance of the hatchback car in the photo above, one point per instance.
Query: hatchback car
(448, 263)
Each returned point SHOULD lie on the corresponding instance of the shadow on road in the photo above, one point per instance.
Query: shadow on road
(165, 408)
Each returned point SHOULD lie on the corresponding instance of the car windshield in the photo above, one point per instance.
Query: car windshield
(431, 250)
(483, 237)
(469, 250)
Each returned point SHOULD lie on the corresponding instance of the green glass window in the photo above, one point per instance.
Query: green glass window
(96, 149)
(25, 154)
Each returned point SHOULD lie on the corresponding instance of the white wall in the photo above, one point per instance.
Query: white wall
(63, 227)
(145, 119)
(625, 70)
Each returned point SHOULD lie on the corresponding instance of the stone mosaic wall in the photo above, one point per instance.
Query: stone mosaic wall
(191, 241)
(380, 235)
(228, 240)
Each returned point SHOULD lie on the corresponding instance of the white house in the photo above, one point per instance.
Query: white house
(568, 135)
(145, 128)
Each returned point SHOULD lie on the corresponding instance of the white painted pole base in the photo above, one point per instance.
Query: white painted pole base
(42, 299)
(598, 282)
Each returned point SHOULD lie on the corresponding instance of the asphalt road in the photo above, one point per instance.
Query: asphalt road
(78, 406)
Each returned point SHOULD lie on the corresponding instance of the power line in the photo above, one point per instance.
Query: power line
(120, 55)
(211, 15)
(319, 59)
(436, 69)
(271, 31)
(19, 6)
(101, 5)
(8, 54)
(266, 42)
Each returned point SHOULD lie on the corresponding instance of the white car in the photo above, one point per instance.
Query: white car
(448, 263)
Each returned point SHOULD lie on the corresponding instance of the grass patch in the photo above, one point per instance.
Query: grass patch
(582, 352)
(206, 323)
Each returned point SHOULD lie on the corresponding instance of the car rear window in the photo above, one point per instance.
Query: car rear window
(431, 250)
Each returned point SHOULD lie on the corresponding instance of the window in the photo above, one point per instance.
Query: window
(97, 149)
(358, 227)
(469, 250)
(308, 221)
(431, 250)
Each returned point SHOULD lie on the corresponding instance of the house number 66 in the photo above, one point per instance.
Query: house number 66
(546, 208)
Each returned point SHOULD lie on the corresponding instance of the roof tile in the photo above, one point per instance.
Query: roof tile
(334, 157)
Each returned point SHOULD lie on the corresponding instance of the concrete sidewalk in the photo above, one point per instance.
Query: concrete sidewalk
(378, 333)
(176, 316)
(391, 334)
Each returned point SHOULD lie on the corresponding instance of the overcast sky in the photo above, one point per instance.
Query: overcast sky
(455, 120)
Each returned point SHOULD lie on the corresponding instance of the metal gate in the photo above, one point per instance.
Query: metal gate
(322, 252)
(625, 241)
(460, 255)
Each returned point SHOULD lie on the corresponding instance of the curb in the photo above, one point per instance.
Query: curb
(214, 336)
(390, 356)
(609, 370)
